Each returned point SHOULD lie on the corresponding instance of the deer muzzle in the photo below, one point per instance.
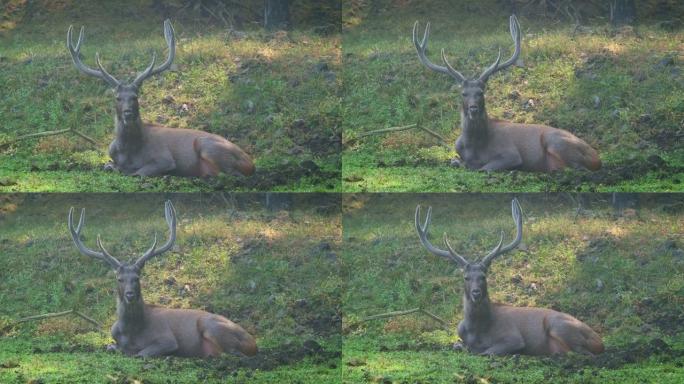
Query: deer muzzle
(130, 296)
(476, 295)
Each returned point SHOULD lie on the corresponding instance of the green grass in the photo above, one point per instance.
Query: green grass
(636, 127)
(269, 93)
(273, 272)
(637, 307)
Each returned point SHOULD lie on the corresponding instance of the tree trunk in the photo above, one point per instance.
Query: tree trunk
(276, 14)
(622, 12)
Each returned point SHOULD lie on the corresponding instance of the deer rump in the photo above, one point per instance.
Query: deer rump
(540, 148)
(184, 333)
(185, 152)
(531, 331)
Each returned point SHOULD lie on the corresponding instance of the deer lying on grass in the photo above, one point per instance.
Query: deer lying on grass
(145, 149)
(499, 329)
(491, 145)
(148, 330)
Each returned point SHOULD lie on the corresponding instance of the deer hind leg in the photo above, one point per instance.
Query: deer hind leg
(222, 335)
(553, 154)
(573, 335)
(566, 150)
(224, 155)
(207, 166)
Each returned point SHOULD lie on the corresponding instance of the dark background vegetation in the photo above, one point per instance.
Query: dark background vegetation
(270, 267)
(617, 269)
(618, 87)
(274, 92)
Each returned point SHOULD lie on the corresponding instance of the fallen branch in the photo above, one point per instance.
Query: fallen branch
(408, 312)
(57, 314)
(50, 133)
(432, 133)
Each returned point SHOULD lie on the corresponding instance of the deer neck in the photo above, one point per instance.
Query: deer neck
(478, 315)
(131, 316)
(475, 129)
(129, 133)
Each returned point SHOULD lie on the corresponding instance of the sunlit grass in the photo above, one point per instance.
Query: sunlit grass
(251, 90)
(566, 254)
(232, 256)
(638, 116)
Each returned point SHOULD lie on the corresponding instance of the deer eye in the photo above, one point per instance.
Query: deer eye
(467, 278)
(120, 280)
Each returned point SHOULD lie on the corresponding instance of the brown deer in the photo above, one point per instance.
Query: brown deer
(145, 149)
(146, 330)
(500, 329)
(492, 145)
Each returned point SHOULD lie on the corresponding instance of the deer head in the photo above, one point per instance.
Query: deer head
(475, 273)
(127, 274)
(472, 90)
(127, 109)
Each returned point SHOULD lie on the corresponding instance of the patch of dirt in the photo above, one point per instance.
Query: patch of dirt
(415, 347)
(663, 312)
(272, 358)
(615, 358)
(615, 173)
(287, 174)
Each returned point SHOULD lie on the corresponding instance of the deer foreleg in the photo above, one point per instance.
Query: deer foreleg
(507, 346)
(157, 168)
(503, 161)
(159, 348)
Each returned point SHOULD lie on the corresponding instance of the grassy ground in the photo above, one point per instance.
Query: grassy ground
(273, 271)
(276, 95)
(621, 91)
(622, 276)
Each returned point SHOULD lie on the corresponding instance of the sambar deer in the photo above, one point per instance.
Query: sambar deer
(145, 149)
(500, 329)
(492, 145)
(146, 330)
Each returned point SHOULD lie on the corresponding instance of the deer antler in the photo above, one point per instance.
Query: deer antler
(422, 46)
(76, 237)
(170, 214)
(169, 35)
(75, 52)
(514, 28)
(516, 212)
(450, 254)
(422, 234)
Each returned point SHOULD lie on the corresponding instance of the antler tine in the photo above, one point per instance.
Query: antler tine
(494, 252)
(75, 51)
(422, 234)
(454, 73)
(106, 256)
(151, 250)
(169, 36)
(516, 212)
(76, 237)
(422, 46)
(458, 259)
(170, 215)
(146, 73)
(105, 75)
(491, 69)
(514, 28)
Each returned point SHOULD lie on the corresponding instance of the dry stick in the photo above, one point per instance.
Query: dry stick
(49, 133)
(434, 134)
(385, 130)
(407, 312)
(57, 314)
